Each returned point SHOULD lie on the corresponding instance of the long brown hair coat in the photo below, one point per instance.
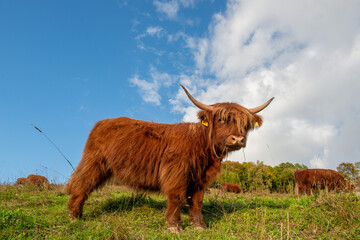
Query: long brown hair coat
(33, 179)
(231, 187)
(311, 180)
(179, 160)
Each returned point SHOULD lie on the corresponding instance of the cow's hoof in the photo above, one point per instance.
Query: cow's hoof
(176, 230)
(72, 218)
(199, 226)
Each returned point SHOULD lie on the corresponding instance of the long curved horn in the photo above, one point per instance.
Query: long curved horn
(196, 102)
(258, 109)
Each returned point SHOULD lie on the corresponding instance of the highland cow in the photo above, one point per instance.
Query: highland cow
(231, 187)
(179, 160)
(312, 180)
(37, 180)
(20, 181)
(33, 179)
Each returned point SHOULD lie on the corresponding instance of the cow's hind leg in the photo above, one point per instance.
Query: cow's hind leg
(195, 202)
(172, 215)
(83, 181)
(297, 192)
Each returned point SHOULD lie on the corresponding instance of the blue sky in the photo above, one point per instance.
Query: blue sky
(67, 64)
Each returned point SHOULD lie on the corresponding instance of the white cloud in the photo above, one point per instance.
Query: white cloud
(172, 7)
(169, 8)
(188, 3)
(201, 47)
(176, 36)
(149, 89)
(307, 55)
(304, 53)
(154, 31)
(320, 161)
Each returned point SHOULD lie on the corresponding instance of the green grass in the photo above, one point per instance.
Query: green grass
(115, 213)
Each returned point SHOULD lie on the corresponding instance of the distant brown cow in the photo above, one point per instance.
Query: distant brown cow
(179, 160)
(231, 187)
(37, 180)
(33, 179)
(21, 181)
(308, 180)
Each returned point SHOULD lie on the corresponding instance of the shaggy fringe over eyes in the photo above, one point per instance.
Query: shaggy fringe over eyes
(232, 113)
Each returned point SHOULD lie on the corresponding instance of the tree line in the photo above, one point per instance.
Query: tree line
(259, 176)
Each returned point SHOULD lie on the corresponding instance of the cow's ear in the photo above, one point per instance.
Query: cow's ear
(204, 118)
(257, 121)
(201, 115)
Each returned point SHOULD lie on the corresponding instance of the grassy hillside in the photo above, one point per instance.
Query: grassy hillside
(115, 213)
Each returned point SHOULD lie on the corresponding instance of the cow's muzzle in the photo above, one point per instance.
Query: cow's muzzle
(235, 142)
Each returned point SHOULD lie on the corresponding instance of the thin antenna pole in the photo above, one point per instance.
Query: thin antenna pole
(244, 155)
(271, 158)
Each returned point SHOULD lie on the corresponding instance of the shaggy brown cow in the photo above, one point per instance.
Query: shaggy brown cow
(231, 187)
(38, 180)
(308, 180)
(33, 179)
(179, 160)
(20, 181)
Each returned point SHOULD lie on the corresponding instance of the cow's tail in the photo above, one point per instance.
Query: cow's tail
(70, 184)
(67, 188)
(90, 174)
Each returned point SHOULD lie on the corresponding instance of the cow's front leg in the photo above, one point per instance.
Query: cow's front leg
(195, 202)
(172, 215)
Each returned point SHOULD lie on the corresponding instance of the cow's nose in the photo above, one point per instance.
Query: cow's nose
(237, 141)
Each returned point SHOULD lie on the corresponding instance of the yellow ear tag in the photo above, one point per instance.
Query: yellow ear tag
(256, 124)
(204, 122)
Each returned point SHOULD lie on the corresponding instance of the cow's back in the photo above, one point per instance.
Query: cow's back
(141, 154)
(308, 179)
(20, 181)
(37, 180)
(230, 187)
